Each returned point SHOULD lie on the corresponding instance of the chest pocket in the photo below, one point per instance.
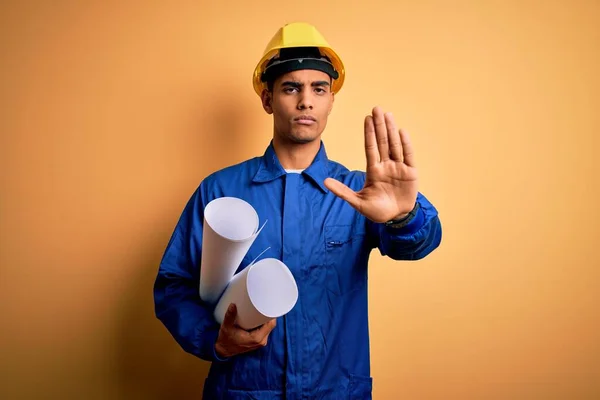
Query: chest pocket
(345, 258)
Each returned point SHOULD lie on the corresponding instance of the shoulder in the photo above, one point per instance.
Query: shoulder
(220, 182)
(239, 170)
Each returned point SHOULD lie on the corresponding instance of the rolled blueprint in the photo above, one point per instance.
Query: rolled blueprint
(262, 291)
(230, 227)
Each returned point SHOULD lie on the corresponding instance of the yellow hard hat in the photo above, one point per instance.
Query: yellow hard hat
(297, 34)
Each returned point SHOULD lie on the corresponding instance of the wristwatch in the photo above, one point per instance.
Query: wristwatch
(399, 223)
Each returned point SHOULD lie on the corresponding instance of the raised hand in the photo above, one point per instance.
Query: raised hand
(390, 189)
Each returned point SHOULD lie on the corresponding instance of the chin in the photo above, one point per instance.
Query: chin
(299, 135)
(303, 136)
(302, 139)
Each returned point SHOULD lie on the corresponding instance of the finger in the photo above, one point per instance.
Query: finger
(260, 334)
(393, 138)
(343, 191)
(408, 153)
(230, 316)
(381, 134)
(370, 142)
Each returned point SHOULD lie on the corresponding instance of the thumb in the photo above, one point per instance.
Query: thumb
(343, 191)
(230, 315)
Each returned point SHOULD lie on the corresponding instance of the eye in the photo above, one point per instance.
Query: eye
(320, 90)
(290, 90)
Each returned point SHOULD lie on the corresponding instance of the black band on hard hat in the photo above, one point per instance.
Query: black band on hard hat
(297, 58)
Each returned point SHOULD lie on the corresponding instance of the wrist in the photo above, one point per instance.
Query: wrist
(403, 219)
(400, 217)
(221, 353)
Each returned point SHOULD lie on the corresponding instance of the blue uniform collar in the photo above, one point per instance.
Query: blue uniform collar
(270, 168)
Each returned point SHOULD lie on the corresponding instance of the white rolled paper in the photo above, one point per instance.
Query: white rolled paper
(230, 227)
(262, 291)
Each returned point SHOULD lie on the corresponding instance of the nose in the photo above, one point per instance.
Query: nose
(305, 101)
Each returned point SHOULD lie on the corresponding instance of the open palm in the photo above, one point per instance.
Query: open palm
(390, 189)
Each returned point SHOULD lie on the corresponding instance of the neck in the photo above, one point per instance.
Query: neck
(296, 155)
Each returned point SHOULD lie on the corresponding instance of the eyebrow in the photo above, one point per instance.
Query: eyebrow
(300, 84)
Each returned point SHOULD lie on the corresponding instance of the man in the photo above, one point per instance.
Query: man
(323, 222)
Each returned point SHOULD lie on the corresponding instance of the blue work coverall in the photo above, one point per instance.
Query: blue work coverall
(320, 349)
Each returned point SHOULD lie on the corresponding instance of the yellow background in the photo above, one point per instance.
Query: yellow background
(112, 112)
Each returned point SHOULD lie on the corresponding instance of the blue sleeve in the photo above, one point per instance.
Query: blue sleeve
(414, 241)
(176, 290)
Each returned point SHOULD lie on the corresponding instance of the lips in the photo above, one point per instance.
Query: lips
(305, 119)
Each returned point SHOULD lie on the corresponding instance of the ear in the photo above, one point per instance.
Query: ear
(267, 101)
